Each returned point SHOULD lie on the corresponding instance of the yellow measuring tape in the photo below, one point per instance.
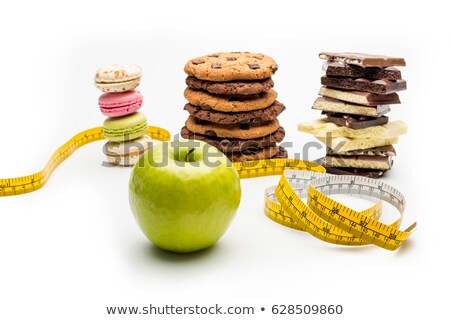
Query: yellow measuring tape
(321, 216)
(33, 182)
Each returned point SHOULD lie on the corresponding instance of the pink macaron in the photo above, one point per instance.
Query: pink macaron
(120, 103)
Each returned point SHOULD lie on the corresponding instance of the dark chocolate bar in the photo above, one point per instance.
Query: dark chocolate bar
(354, 121)
(361, 84)
(384, 151)
(359, 97)
(363, 59)
(336, 69)
(369, 173)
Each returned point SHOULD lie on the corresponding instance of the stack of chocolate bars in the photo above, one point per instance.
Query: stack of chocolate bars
(357, 92)
(233, 106)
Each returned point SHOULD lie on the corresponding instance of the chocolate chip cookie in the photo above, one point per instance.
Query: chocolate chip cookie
(231, 88)
(235, 131)
(230, 103)
(236, 145)
(255, 116)
(230, 66)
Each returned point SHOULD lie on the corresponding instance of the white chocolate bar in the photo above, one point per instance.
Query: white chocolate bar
(358, 97)
(333, 105)
(341, 144)
(323, 128)
(364, 162)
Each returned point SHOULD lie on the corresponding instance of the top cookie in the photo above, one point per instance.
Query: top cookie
(229, 66)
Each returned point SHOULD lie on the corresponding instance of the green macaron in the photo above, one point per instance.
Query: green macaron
(125, 128)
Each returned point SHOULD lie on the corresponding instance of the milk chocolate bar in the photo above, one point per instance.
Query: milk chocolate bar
(356, 122)
(359, 97)
(333, 105)
(360, 162)
(363, 59)
(383, 151)
(336, 69)
(361, 84)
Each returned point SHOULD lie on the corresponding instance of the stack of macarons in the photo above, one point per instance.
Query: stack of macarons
(125, 127)
(233, 106)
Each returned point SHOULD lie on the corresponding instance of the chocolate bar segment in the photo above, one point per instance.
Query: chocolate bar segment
(360, 162)
(342, 144)
(337, 106)
(363, 59)
(359, 97)
(354, 121)
(335, 69)
(383, 151)
(361, 84)
(369, 173)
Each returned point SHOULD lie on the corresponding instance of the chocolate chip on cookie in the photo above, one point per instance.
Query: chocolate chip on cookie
(254, 66)
(197, 62)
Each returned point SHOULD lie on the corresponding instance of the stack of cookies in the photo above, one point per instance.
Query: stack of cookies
(356, 94)
(233, 106)
(125, 128)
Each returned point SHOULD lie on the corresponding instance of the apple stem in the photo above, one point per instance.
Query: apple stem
(186, 157)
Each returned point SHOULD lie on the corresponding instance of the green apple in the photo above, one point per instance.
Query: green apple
(184, 195)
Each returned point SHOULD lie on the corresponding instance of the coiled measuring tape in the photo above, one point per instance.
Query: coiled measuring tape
(33, 182)
(321, 216)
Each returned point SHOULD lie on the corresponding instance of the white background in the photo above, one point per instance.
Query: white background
(73, 248)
